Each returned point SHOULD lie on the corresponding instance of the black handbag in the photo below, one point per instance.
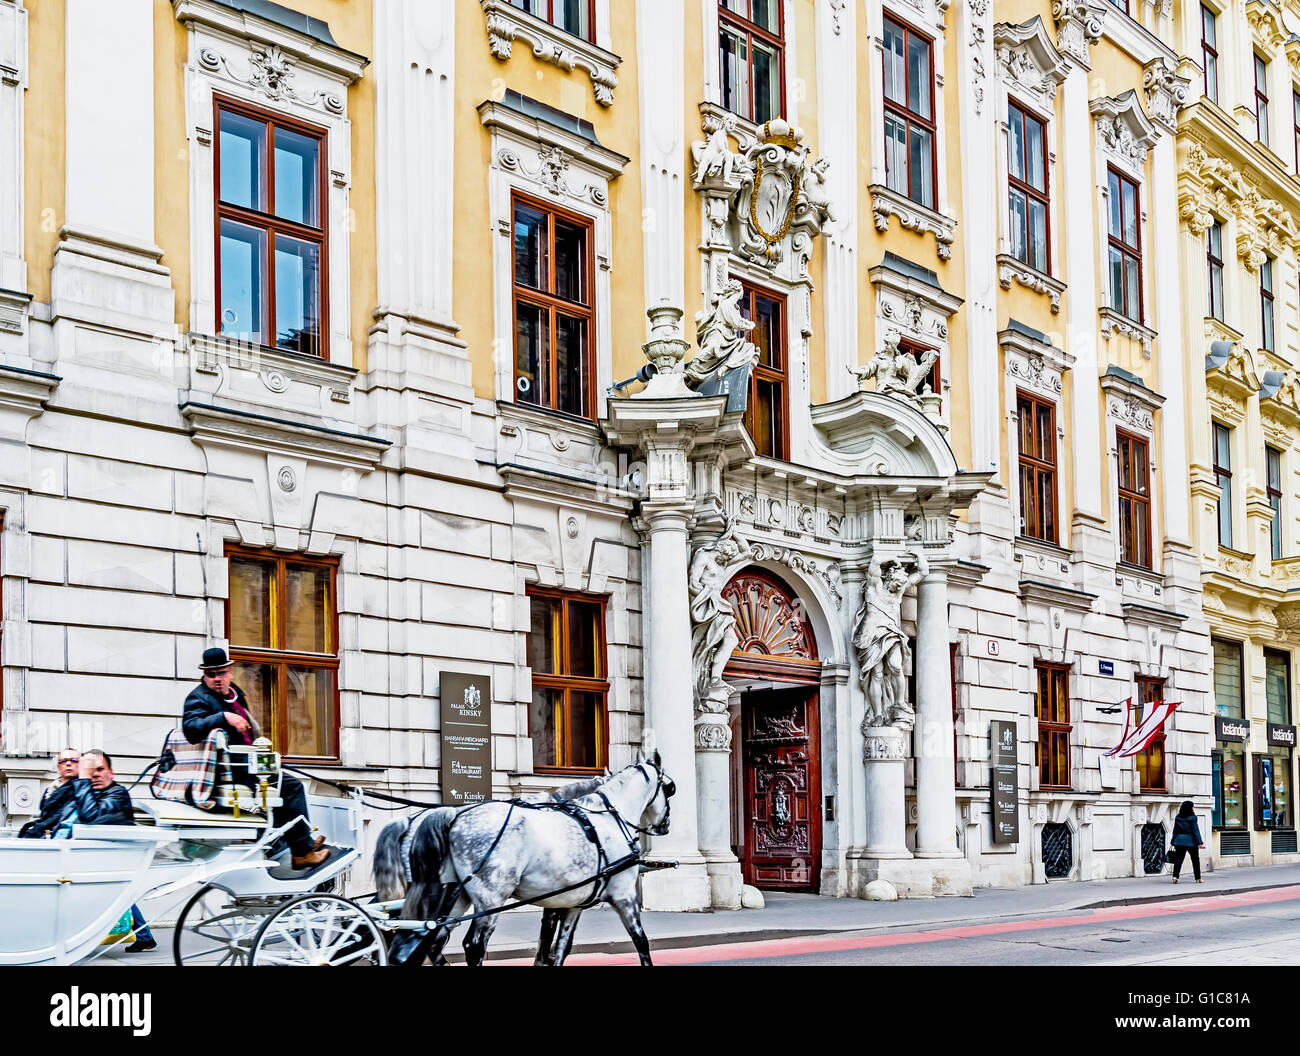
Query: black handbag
(1169, 855)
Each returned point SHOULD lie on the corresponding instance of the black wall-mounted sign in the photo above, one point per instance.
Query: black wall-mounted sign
(1283, 736)
(1105, 667)
(1231, 729)
(466, 732)
(1004, 782)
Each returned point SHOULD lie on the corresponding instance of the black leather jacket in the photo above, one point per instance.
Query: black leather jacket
(108, 806)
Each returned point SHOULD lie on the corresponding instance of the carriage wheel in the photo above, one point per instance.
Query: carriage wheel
(321, 930)
(217, 929)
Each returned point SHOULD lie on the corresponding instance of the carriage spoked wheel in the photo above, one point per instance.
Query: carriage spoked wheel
(217, 928)
(319, 930)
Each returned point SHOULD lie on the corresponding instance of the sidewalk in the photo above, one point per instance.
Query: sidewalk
(790, 915)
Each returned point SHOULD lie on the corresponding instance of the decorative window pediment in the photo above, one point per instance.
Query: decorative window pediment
(1266, 25)
(1124, 132)
(1029, 62)
(507, 23)
(1128, 400)
(1231, 371)
(1279, 406)
(1033, 361)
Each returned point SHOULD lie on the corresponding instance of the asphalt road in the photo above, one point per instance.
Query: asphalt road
(1253, 928)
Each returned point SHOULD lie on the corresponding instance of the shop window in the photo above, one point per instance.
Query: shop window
(1133, 460)
(1125, 246)
(282, 625)
(751, 57)
(1210, 54)
(1028, 189)
(271, 246)
(566, 652)
(1273, 807)
(573, 16)
(1230, 787)
(1223, 478)
(1053, 710)
(1273, 473)
(1151, 760)
(910, 164)
(552, 270)
(1214, 266)
(766, 414)
(1037, 431)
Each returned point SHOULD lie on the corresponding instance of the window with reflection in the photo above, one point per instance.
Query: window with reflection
(271, 244)
(910, 166)
(1210, 54)
(1027, 173)
(1052, 706)
(553, 302)
(566, 654)
(1261, 100)
(1266, 305)
(1037, 433)
(1125, 238)
(281, 622)
(573, 16)
(1214, 264)
(1133, 460)
(1222, 436)
(751, 58)
(1273, 478)
(765, 410)
(1151, 760)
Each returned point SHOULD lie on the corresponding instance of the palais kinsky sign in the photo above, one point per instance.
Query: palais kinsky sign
(466, 731)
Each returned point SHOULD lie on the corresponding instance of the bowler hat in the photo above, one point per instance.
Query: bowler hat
(214, 659)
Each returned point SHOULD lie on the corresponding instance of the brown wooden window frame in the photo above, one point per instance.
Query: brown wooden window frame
(553, 304)
(567, 682)
(549, 17)
(1210, 54)
(1043, 197)
(282, 659)
(1042, 466)
(909, 117)
(752, 31)
(1139, 501)
(273, 225)
(1150, 691)
(1260, 68)
(1273, 488)
(1053, 733)
(776, 376)
(1125, 249)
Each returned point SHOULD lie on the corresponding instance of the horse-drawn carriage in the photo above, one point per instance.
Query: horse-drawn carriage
(62, 896)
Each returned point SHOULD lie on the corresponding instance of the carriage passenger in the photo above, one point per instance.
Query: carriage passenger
(217, 703)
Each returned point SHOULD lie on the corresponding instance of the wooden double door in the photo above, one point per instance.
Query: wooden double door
(779, 810)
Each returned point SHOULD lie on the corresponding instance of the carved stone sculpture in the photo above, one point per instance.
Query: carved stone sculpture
(897, 373)
(714, 159)
(720, 331)
(713, 632)
(881, 647)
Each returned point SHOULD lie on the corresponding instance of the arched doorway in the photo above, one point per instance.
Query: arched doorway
(777, 786)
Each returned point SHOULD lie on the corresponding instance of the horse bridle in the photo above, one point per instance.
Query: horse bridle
(628, 827)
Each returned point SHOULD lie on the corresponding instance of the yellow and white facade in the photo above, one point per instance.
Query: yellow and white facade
(440, 463)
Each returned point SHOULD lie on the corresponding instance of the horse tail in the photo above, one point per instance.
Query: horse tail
(390, 877)
(430, 847)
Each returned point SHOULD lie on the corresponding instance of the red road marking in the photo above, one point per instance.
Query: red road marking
(740, 951)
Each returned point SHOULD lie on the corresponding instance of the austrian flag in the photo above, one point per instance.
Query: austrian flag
(1137, 738)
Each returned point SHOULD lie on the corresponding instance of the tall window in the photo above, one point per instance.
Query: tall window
(751, 56)
(1273, 770)
(1277, 686)
(1209, 54)
(1214, 262)
(271, 249)
(1151, 760)
(1037, 467)
(1273, 473)
(765, 412)
(553, 308)
(1125, 247)
(1295, 125)
(1027, 172)
(573, 16)
(1223, 478)
(909, 113)
(1228, 765)
(282, 624)
(1053, 710)
(1227, 679)
(1261, 100)
(1266, 304)
(566, 651)
(1133, 457)
(2, 616)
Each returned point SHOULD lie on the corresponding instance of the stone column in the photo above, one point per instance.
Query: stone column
(886, 807)
(932, 743)
(669, 709)
(713, 792)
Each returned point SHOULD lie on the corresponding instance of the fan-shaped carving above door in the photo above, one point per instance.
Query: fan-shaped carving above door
(775, 637)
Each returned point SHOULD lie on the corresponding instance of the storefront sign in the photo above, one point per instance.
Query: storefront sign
(1231, 729)
(1004, 782)
(466, 731)
(1283, 736)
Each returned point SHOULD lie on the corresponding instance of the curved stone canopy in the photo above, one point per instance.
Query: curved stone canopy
(874, 435)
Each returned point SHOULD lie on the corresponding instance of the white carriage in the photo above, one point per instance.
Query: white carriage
(60, 898)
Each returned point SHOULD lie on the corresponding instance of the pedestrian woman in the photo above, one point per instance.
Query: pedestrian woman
(1186, 840)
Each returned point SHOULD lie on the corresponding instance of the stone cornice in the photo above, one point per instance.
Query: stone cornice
(506, 23)
(23, 395)
(886, 203)
(260, 433)
(498, 117)
(1010, 268)
(1203, 125)
(1266, 25)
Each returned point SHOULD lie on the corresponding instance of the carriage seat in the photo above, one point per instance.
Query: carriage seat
(203, 775)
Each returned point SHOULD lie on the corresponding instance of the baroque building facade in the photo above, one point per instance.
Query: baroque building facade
(792, 378)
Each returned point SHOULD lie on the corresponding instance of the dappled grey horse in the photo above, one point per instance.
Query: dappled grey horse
(562, 855)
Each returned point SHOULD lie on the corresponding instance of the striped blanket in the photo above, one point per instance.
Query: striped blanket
(194, 772)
